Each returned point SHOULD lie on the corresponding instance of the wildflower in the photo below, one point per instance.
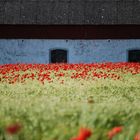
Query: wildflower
(114, 132)
(13, 128)
(137, 136)
(84, 133)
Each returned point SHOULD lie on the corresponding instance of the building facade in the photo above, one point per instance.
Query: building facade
(72, 31)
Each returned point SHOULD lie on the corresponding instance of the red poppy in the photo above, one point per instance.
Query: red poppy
(114, 131)
(84, 134)
(137, 136)
(13, 128)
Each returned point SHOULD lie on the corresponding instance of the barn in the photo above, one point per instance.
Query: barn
(69, 31)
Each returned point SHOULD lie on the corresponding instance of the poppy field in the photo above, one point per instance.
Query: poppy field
(98, 101)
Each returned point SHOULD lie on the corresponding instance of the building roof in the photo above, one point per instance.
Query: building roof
(73, 12)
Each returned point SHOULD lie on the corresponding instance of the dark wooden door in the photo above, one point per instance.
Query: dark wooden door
(58, 56)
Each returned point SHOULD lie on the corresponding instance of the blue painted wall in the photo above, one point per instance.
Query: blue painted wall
(79, 51)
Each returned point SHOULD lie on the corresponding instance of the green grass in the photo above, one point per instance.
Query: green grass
(56, 111)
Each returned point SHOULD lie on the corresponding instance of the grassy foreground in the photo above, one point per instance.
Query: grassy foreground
(56, 111)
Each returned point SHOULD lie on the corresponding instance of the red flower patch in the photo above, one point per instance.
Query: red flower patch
(13, 73)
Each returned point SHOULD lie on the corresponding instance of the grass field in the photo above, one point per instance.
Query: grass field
(52, 102)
